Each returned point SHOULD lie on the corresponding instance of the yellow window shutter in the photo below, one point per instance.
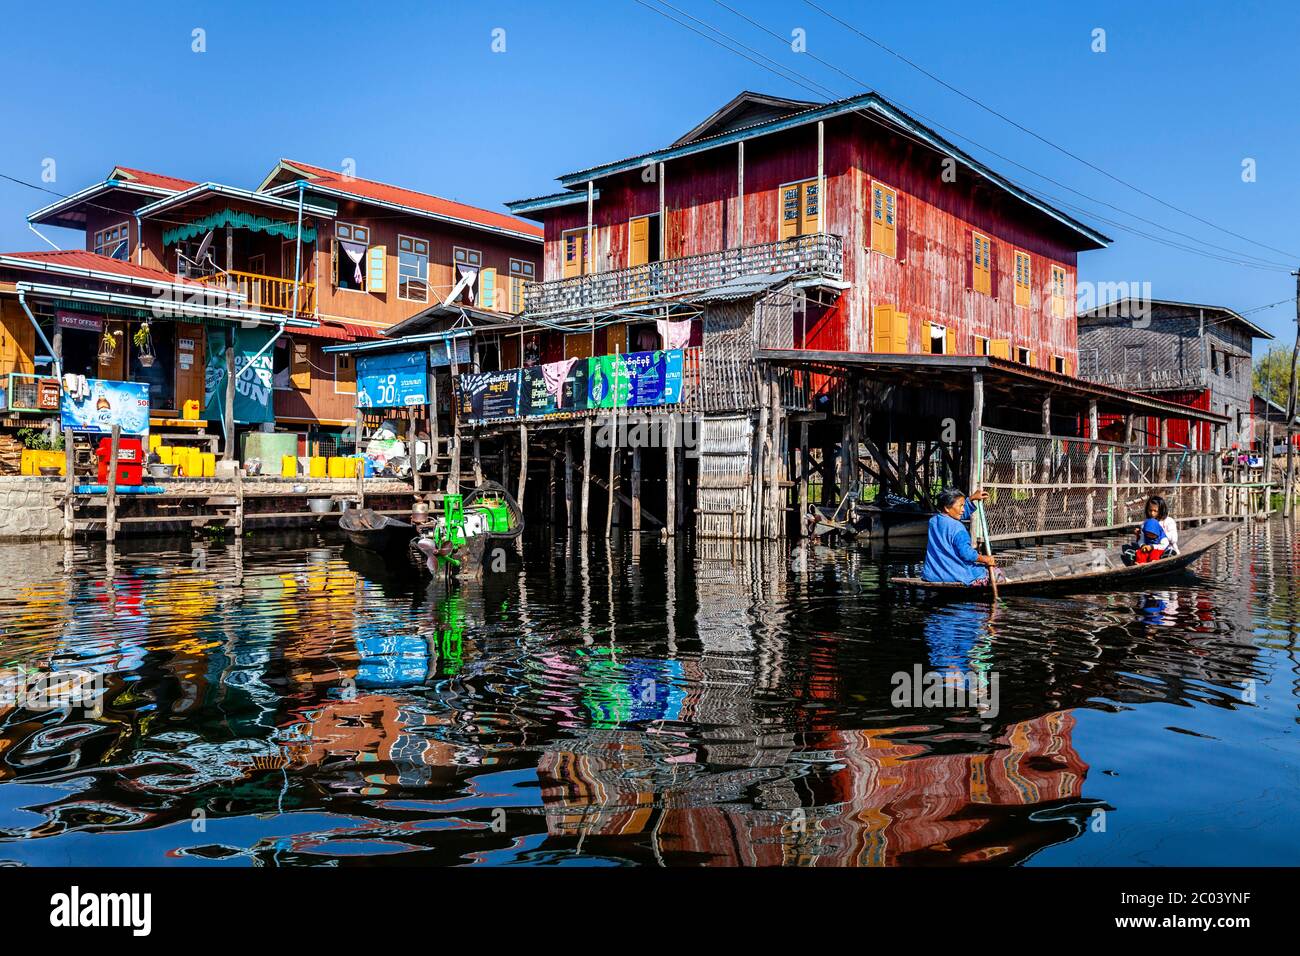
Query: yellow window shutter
(950, 346)
(927, 336)
(638, 250)
(884, 329)
(376, 268)
(790, 200)
(1000, 348)
(300, 371)
(487, 288)
(572, 254)
(900, 332)
(811, 208)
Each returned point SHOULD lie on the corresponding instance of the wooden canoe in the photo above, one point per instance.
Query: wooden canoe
(1087, 569)
(375, 532)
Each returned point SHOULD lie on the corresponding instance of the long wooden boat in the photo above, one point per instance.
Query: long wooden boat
(383, 534)
(1099, 566)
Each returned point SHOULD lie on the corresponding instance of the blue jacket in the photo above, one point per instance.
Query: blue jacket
(949, 554)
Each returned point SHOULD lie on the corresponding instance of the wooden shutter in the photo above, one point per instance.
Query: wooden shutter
(981, 263)
(968, 260)
(300, 369)
(990, 249)
(1000, 348)
(638, 248)
(811, 204)
(487, 289)
(900, 332)
(790, 210)
(334, 258)
(571, 254)
(950, 343)
(1023, 282)
(883, 332)
(17, 343)
(376, 269)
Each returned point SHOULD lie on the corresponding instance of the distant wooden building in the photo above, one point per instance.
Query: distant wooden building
(1196, 355)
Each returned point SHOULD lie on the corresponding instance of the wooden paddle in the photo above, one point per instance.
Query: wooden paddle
(988, 549)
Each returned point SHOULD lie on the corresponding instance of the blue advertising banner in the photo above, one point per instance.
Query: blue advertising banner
(253, 380)
(106, 404)
(393, 380)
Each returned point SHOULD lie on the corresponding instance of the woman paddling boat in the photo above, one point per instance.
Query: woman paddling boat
(950, 555)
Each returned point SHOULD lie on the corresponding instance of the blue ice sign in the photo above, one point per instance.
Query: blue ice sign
(392, 380)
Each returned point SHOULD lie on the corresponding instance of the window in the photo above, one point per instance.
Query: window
(351, 250)
(981, 264)
(981, 345)
(800, 209)
(890, 332)
(1135, 360)
(522, 272)
(1022, 278)
(942, 341)
(573, 257)
(467, 266)
(412, 269)
(1024, 356)
(884, 220)
(114, 242)
(643, 241)
(1058, 364)
(345, 374)
(1058, 292)
(1090, 363)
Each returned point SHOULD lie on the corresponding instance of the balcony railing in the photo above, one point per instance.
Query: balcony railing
(1149, 379)
(818, 254)
(265, 292)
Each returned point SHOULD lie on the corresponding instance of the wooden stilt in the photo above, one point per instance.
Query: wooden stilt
(239, 504)
(776, 455)
(70, 485)
(568, 480)
(586, 473)
(804, 462)
(670, 475)
(613, 460)
(110, 519)
(229, 451)
(975, 453)
(636, 487)
(523, 463)
(478, 460)
(552, 496)
(410, 448)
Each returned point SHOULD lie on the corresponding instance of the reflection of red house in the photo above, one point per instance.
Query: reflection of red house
(892, 803)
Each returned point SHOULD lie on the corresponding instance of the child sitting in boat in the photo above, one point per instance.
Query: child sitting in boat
(1156, 537)
(949, 553)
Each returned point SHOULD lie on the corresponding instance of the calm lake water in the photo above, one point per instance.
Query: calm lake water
(286, 701)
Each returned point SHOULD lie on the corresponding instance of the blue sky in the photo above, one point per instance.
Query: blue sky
(414, 93)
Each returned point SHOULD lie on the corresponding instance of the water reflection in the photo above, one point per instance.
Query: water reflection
(292, 702)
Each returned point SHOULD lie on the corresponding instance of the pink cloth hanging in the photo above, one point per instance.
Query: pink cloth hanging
(675, 335)
(554, 374)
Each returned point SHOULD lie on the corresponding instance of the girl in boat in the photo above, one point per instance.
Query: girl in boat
(1156, 537)
(949, 553)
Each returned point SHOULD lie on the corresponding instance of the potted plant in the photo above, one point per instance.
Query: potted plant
(108, 346)
(144, 342)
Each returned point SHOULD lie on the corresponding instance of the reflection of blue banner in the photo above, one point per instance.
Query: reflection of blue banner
(393, 380)
(108, 404)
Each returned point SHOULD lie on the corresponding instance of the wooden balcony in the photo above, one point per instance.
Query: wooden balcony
(819, 254)
(1147, 380)
(265, 293)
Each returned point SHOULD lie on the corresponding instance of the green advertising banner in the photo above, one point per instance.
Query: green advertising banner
(254, 394)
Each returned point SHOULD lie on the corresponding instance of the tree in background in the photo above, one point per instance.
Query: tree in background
(1272, 374)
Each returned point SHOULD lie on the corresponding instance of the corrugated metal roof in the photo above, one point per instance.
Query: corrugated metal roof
(743, 287)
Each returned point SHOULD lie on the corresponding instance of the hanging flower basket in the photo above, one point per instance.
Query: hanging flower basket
(144, 342)
(107, 347)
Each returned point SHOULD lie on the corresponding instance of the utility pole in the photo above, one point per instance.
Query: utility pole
(1288, 505)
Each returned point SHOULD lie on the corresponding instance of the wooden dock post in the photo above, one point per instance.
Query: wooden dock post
(410, 448)
(802, 471)
(613, 460)
(636, 487)
(110, 511)
(239, 503)
(776, 455)
(478, 463)
(586, 472)
(1094, 455)
(70, 485)
(975, 453)
(229, 416)
(552, 498)
(523, 463)
(670, 476)
(568, 479)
